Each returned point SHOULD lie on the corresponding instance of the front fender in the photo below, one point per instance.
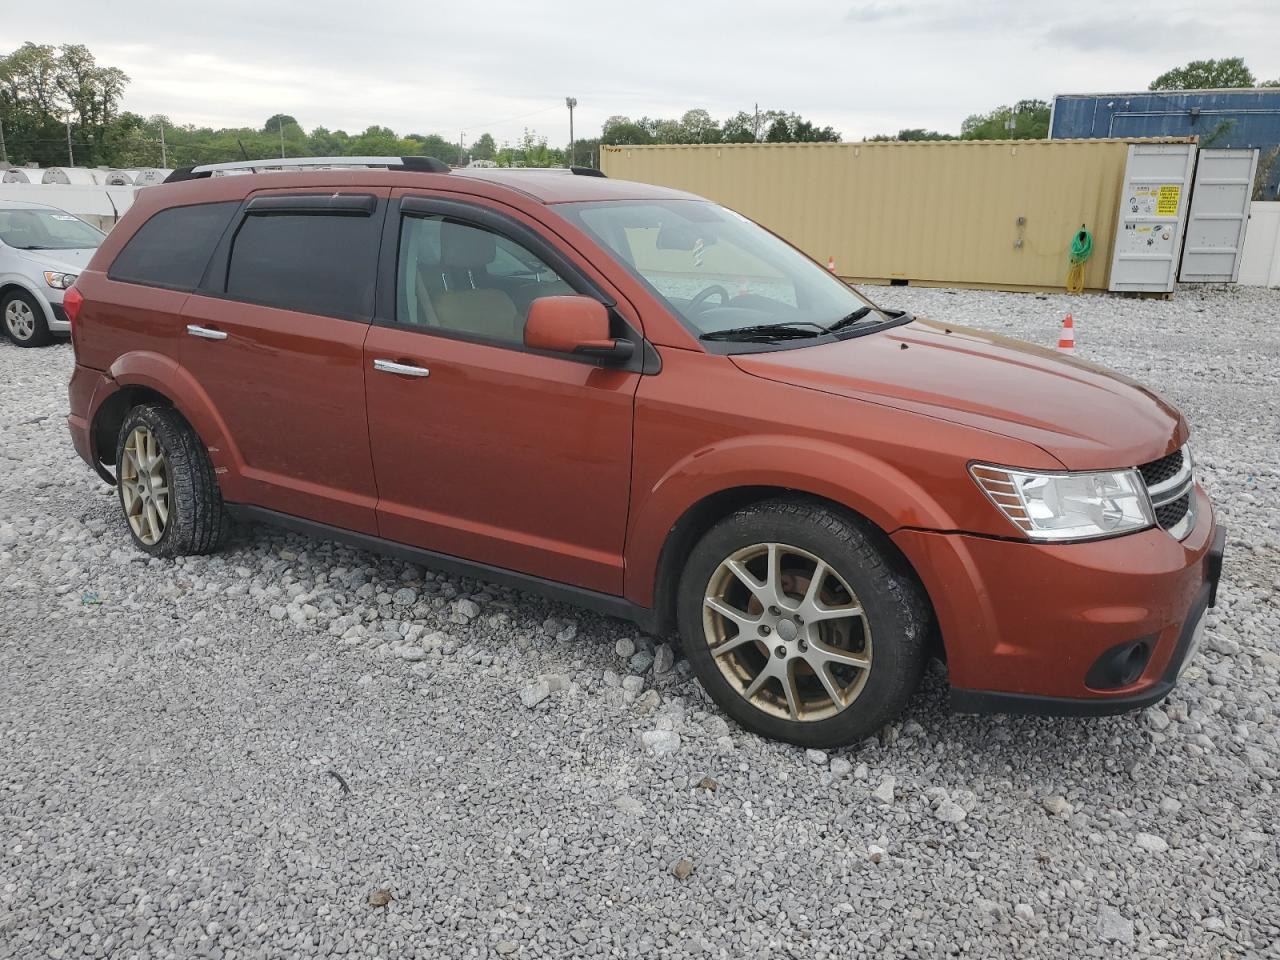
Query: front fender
(886, 496)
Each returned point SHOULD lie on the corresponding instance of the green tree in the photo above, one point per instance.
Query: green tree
(1026, 120)
(484, 148)
(915, 133)
(624, 130)
(42, 88)
(1206, 75)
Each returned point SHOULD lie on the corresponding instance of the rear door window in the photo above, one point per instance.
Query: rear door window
(173, 248)
(320, 263)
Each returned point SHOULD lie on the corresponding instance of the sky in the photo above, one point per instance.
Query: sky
(862, 66)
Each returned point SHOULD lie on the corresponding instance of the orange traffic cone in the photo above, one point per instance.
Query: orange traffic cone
(1067, 339)
(831, 264)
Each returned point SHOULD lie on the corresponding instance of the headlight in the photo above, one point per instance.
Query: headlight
(59, 281)
(1067, 506)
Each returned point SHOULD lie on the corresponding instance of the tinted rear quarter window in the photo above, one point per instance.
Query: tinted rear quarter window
(309, 262)
(173, 248)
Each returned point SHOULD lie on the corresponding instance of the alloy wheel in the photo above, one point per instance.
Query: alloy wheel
(144, 486)
(787, 632)
(20, 320)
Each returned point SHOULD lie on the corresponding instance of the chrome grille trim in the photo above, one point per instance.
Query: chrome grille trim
(1167, 492)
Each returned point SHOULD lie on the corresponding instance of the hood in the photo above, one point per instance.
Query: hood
(64, 261)
(1083, 415)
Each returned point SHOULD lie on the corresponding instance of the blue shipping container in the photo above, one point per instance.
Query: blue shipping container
(1220, 118)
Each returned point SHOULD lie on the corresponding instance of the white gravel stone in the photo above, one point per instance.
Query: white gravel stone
(1113, 927)
(664, 658)
(625, 648)
(884, 792)
(1151, 843)
(535, 693)
(1058, 806)
(661, 743)
(949, 812)
(816, 756)
(840, 767)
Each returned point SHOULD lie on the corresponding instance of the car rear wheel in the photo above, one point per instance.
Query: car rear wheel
(24, 320)
(799, 626)
(168, 490)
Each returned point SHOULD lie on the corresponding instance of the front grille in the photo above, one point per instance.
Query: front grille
(1171, 486)
(1158, 471)
(1172, 513)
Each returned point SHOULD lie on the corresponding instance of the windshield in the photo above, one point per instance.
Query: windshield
(46, 230)
(719, 271)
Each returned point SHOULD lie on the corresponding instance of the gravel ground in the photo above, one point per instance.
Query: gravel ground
(294, 748)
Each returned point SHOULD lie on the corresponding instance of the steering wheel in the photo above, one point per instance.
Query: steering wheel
(698, 301)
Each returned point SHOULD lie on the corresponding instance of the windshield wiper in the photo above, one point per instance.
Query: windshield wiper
(848, 320)
(791, 330)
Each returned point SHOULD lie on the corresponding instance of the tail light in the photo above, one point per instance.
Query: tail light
(72, 301)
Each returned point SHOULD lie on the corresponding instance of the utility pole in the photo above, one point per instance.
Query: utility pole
(71, 156)
(571, 102)
(755, 127)
(4, 152)
(462, 157)
(164, 150)
(280, 123)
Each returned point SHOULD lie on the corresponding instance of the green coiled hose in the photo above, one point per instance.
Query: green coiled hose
(1081, 251)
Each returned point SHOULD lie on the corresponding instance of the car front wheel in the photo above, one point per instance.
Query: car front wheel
(24, 320)
(800, 625)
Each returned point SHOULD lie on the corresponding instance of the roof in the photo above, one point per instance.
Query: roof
(25, 205)
(561, 186)
(544, 185)
(1205, 91)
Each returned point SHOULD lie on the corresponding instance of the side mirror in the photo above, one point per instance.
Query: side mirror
(577, 325)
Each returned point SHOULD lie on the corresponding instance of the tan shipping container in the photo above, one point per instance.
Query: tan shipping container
(995, 213)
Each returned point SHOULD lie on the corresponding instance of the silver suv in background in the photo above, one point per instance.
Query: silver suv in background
(42, 251)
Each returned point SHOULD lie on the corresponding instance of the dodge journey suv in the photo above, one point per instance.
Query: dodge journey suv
(636, 400)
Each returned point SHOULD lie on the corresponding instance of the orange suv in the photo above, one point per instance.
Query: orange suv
(636, 400)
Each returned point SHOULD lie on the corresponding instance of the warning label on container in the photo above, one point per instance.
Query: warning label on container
(1167, 200)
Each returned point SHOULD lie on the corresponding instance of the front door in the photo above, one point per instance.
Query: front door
(276, 340)
(483, 449)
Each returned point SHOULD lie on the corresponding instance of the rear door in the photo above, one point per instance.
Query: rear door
(483, 448)
(1219, 216)
(275, 336)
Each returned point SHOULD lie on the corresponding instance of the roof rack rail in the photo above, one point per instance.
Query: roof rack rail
(419, 164)
(587, 172)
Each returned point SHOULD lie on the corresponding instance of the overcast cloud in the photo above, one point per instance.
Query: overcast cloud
(864, 67)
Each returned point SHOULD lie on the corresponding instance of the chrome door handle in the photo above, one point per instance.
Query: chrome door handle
(404, 369)
(204, 333)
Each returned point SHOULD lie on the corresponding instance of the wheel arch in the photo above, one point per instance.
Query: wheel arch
(703, 515)
(152, 378)
(20, 284)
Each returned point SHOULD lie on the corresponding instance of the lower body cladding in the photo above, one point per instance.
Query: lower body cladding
(1068, 629)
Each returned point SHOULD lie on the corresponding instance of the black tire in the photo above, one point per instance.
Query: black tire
(39, 334)
(197, 521)
(896, 612)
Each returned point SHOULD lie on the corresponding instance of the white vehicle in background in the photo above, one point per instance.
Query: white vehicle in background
(42, 251)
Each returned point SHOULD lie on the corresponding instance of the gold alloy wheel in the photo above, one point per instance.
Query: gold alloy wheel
(144, 486)
(787, 632)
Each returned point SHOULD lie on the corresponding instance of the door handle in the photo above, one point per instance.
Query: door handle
(204, 333)
(404, 369)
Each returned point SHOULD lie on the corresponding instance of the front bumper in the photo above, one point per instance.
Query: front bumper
(58, 322)
(1024, 623)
